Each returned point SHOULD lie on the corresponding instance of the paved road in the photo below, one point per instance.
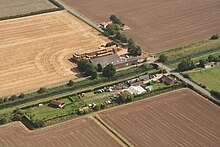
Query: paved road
(80, 16)
(171, 71)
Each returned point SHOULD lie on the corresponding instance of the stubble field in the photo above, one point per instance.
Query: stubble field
(178, 118)
(78, 132)
(17, 7)
(35, 50)
(158, 25)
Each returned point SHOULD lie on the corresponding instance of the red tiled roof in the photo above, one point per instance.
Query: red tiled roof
(106, 23)
(56, 102)
(143, 56)
(125, 27)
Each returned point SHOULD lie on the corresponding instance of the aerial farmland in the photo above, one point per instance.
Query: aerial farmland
(172, 119)
(109, 73)
(21, 7)
(79, 132)
(158, 25)
(35, 50)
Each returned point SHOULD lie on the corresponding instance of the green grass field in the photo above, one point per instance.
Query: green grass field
(192, 50)
(209, 77)
(47, 112)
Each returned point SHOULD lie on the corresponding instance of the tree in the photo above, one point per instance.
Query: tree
(82, 63)
(111, 44)
(112, 29)
(109, 71)
(186, 64)
(214, 37)
(134, 50)
(211, 58)
(3, 120)
(115, 20)
(146, 66)
(131, 42)
(99, 67)
(202, 63)
(70, 83)
(125, 97)
(22, 95)
(39, 123)
(163, 58)
(13, 97)
(85, 66)
(94, 74)
(42, 90)
(96, 108)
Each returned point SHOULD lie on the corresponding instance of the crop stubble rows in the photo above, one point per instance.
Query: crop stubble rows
(35, 50)
(177, 118)
(158, 25)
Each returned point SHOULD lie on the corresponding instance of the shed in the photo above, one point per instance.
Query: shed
(58, 104)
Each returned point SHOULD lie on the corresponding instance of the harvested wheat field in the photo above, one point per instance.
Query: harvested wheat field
(178, 118)
(158, 25)
(78, 132)
(35, 50)
(18, 7)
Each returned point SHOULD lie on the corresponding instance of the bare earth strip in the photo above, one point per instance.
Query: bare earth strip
(17, 7)
(158, 25)
(34, 51)
(78, 132)
(179, 118)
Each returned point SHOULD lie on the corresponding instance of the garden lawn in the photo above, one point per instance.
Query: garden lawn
(209, 77)
(47, 112)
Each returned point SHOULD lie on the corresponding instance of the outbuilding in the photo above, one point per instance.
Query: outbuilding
(136, 90)
(58, 104)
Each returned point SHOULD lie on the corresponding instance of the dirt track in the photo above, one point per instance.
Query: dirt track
(179, 118)
(78, 132)
(158, 25)
(34, 51)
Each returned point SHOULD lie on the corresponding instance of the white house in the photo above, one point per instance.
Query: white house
(136, 90)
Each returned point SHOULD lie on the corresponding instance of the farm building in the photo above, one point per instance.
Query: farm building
(104, 24)
(114, 59)
(136, 90)
(167, 80)
(125, 27)
(142, 58)
(137, 83)
(144, 78)
(58, 104)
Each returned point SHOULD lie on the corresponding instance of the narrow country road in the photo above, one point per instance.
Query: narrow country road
(171, 71)
(80, 16)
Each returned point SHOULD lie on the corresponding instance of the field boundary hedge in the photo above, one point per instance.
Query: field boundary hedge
(59, 7)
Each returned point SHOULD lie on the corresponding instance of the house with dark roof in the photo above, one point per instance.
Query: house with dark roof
(167, 80)
(114, 59)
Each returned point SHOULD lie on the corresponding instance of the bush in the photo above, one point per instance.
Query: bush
(163, 58)
(39, 123)
(42, 90)
(21, 95)
(70, 83)
(214, 37)
(186, 64)
(109, 71)
(115, 20)
(13, 97)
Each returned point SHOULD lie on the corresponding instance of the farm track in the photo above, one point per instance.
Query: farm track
(158, 25)
(36, 55)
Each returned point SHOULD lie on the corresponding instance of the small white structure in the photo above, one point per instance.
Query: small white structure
(104, 24)
(136, 90)
(125, 27)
